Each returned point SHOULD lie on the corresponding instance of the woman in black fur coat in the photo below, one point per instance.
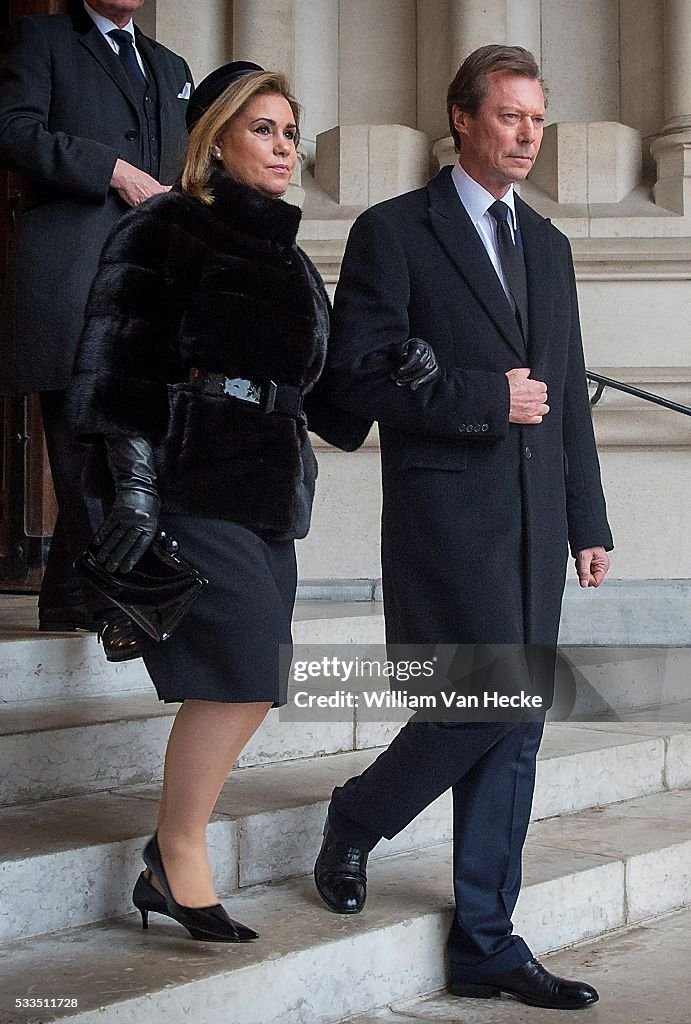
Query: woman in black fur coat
(205, 328)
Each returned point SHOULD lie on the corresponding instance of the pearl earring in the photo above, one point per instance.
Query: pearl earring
(216, 153)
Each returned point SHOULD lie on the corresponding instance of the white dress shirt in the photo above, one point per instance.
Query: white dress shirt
(104, 26)
(477, 201)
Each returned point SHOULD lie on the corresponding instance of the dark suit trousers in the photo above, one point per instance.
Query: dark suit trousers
(78, 518)
(491, 769)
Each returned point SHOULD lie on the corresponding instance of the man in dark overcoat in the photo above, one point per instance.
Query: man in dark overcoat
(489, 473)
(92, 116)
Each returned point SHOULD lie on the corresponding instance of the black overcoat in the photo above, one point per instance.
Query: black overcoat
(221, 288)
(66, 114)
(477, 512)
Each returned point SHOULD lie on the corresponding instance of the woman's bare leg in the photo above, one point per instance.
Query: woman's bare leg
(205, 742)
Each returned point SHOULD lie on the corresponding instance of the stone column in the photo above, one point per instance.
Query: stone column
(264, 32)
(677, 65)
(433, 66)
(475, 23)
(472, 23)
(672, 149)
(201, 32)
(299, 38)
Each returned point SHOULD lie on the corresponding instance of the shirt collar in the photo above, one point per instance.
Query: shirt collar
(476, 199)
(104, 25)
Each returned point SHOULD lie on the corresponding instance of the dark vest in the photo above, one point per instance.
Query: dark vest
(150, 122)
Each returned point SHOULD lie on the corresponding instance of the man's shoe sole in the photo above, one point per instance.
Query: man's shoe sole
(491, 991)
(120, 656)
(475, 991)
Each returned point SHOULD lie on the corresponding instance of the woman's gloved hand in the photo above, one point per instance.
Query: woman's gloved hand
(133, 521)
(417, 364)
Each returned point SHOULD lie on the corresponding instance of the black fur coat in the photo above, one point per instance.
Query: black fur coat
(222, 288)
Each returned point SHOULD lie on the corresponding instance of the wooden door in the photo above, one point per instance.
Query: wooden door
(27, 500)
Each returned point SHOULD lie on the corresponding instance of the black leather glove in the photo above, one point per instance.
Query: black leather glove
(417, 364)
(133, 522)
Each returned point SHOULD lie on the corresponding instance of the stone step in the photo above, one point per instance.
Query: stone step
(641, 974)
(585, 874)
(269, 821)
(54, 749)
(62, 666)
(71, 666)
(628, 643)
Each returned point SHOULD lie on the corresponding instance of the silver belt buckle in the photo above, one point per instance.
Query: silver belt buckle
(247, 391)
(243, 389)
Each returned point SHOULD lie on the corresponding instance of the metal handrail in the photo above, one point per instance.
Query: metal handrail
(648, 396)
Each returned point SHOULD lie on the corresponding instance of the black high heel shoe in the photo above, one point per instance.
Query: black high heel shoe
(147, 899)
(209, 924)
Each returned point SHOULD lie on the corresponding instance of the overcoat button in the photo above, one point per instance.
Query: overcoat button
(132, 135)
(528, 453)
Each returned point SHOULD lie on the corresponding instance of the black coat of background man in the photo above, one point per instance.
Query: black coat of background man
(92, 134)
(489, 473)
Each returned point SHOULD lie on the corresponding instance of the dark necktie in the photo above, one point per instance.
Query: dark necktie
(129, 60)
(512, 263)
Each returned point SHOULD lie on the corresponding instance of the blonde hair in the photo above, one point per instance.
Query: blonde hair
(215, 120)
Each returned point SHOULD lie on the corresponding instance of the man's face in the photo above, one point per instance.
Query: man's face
(118, 11)
(500, 144)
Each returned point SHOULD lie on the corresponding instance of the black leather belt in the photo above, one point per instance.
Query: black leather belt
(283, 399)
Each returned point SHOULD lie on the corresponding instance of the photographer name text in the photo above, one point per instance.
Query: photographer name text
(414, 702)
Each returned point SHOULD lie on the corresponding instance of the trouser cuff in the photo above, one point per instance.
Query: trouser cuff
(352, 833)
(467, 971)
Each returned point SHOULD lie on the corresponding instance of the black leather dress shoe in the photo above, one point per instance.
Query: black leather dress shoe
(65, 620)
(532, 984)
(340, 874)
(118, 639)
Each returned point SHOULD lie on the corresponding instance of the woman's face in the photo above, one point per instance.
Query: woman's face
(258, 146)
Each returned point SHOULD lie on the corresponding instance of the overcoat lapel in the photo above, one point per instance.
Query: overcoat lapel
(458, 237)
(539, 268)
(97, 46)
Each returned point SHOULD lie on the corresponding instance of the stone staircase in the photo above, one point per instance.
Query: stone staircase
(609, 846)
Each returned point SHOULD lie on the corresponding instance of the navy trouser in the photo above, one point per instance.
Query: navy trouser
(491, 769)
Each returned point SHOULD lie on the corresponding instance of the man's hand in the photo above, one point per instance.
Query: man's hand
(592, 565)
(133, 185)
(528, 397)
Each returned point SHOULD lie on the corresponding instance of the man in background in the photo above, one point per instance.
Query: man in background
(92, 116)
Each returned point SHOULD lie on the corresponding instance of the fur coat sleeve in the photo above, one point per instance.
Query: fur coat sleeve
(127, 355)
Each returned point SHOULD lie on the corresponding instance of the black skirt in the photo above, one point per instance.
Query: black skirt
(235, 643)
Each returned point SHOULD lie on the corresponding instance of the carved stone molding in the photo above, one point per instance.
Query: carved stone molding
(632, 259)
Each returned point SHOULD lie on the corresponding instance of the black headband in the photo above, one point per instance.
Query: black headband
(208, 91)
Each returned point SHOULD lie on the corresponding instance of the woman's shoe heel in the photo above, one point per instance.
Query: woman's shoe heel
(148, 899)
(208, 924)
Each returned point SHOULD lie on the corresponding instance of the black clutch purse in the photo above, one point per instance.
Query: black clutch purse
(156, 594)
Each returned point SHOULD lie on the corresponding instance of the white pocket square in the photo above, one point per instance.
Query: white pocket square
(186, 92)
